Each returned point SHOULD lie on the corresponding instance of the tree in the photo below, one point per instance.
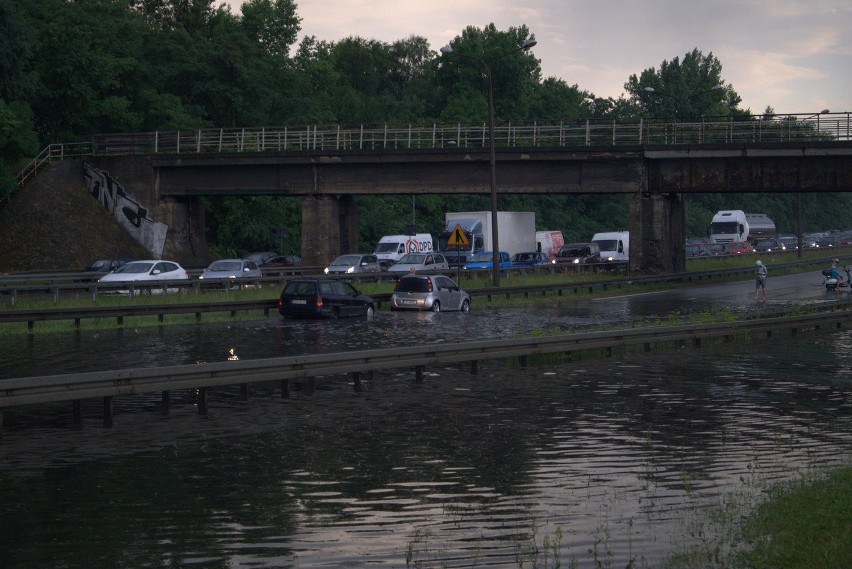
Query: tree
(514, 73)
(555, 100)
(273, 24)
(691, 88)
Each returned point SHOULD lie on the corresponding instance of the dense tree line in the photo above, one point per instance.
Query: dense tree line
(73, 68)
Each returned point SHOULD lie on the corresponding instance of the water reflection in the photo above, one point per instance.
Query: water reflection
(614, 455)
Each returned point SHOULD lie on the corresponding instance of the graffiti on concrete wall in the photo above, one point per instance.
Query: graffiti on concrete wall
(130, 214)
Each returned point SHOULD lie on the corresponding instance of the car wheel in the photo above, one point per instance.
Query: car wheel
(436, 306)
(465, 307)
(370, 312)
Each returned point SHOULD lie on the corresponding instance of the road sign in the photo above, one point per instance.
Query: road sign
(458, 237)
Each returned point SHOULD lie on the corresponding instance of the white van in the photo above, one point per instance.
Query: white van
(391, 248)
(615, 245)
(549, 243)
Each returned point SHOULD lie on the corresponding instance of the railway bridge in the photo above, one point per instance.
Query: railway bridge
(656, 162)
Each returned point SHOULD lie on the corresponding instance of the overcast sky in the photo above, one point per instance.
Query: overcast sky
(792, 55)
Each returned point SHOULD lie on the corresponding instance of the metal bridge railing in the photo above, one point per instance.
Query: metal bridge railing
(824, 127)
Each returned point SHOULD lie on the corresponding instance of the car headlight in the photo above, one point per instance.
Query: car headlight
(325, 270)
(576, 261)
(350, 270)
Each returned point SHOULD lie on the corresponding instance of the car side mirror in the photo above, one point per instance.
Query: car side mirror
(156, 272)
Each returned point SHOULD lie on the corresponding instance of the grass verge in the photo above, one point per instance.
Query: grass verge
(802, 525)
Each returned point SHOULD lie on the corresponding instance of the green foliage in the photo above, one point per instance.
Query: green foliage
(689, 88)
(238, 226)
(69, 70)
(805, 525)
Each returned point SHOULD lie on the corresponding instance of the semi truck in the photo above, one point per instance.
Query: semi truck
(737, 226)
(469, 232)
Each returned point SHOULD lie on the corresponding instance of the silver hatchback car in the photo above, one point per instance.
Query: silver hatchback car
(425, 292)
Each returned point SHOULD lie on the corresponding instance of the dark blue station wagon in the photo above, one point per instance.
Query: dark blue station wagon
(323, 298)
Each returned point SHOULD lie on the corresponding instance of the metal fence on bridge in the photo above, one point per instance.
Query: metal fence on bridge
(810, 127)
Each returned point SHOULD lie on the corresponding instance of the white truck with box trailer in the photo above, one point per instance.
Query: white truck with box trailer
(615, 246)
(391, 248)
(516, 232)
(737, 226)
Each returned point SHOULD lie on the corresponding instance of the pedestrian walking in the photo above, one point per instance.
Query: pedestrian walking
(760, 273)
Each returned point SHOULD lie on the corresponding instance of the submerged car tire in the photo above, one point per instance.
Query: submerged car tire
(465, 307)
(436, 306)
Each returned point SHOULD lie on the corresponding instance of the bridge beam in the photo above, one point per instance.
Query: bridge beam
(329, 228)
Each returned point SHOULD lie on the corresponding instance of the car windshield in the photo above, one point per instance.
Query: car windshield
(608, 244)
(387, 247)
(225, 266)
(135, 268)
(100, 265)
(413, 259)
(481, 257)
(347, 260)
(412, 284)
(576, 252)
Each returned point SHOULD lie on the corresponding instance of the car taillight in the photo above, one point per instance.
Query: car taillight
(280, 303)
(429, 284)
(319, 302)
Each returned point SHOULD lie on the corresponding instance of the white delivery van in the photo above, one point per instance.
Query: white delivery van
(391, 248)
(549, 243)
(615, 246)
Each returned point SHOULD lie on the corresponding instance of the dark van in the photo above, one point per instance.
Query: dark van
(579, 254)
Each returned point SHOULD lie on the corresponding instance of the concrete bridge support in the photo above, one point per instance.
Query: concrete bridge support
(329, 228)
(657, 233)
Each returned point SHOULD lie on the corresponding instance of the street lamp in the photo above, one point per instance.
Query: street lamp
(447, 50)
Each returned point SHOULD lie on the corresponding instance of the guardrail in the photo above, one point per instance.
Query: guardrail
(490, 293)
(78, 314)
(54, 284)
(109, 384)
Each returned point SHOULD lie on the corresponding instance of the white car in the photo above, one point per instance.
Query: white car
(354, 263)
(420, 262)
(231, 269)
(150, 271)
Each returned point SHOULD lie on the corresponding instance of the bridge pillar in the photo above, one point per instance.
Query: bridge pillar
(329, 228)
(657, 233)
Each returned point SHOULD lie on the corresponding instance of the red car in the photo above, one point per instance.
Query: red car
(741, 247)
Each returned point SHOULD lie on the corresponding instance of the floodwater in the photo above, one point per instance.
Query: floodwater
(595, 461)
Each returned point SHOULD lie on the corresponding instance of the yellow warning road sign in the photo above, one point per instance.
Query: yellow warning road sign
(458, 237)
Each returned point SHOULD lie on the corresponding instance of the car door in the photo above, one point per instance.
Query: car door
(330, 298)
(348, 299)
(449, 297)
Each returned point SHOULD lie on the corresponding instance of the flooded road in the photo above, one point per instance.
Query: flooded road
(597, 462)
